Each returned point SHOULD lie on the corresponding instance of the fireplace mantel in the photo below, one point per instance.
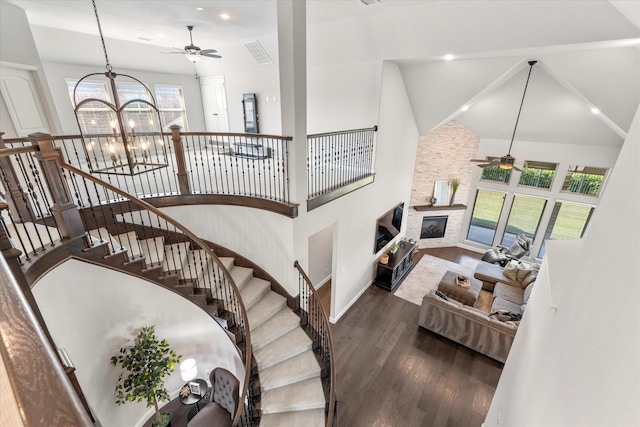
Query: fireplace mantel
(454, 207)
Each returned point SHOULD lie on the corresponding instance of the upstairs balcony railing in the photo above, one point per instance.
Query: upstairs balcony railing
(228, 166)
(338, 163)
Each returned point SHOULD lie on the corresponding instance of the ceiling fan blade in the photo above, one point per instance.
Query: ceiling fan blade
(516, 168)
(206, 51)
(486, 165)
(182, 52)
(211, 55)
(480, 160)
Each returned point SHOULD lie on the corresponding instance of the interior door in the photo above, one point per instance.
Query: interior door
(22, 101)
(214, 104)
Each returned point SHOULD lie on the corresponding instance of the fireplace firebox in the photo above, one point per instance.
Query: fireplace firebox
(433, 227)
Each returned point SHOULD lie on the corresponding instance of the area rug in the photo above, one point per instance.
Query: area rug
(426, 275)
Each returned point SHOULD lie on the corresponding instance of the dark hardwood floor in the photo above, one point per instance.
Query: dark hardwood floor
(391, 372)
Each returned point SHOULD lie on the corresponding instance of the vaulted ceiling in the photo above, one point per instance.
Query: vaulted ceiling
(588, 53)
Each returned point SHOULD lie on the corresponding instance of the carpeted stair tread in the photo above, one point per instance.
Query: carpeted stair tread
(299, 396)
(227, 262)
(268, 305)
(297, 368)
(290, 344)
(253, 291)
(273, 328)
(309, 418)
(241, 275)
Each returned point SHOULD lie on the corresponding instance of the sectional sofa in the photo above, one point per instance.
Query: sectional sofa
(488, 333)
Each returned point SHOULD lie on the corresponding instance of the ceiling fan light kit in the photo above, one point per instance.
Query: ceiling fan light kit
(120, 136)
(508, 161)
(192, 52)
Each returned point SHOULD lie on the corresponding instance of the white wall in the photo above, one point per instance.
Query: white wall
(20, 51)
(268, 239)
(356, 213)
(579, 365)
(92, 312)
(320, 256)
(263, 237)
(342, 97)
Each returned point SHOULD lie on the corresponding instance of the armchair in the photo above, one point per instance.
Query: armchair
(502, 255)
(224, 401)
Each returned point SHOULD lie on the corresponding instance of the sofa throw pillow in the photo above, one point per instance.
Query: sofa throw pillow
(523, 273)
(511, 271)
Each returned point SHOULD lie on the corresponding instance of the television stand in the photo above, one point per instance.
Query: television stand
(390, 275)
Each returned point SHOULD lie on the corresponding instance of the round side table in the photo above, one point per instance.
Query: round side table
(195, 399)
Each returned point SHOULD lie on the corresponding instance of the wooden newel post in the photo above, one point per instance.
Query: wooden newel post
(17, 200)
(64, 211)
(183, 177)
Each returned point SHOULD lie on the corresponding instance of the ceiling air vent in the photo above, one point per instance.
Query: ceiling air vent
(370, 2)
(257, 51)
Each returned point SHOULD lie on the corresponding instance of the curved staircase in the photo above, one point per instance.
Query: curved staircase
(291, 390)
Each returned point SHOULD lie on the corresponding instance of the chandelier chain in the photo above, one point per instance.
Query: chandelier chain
(104, 47)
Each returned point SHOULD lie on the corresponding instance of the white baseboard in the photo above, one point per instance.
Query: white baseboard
(324, 282)
(471, 247)
(334, 319)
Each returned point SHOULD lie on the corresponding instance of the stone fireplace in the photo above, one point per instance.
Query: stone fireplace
(443, 154)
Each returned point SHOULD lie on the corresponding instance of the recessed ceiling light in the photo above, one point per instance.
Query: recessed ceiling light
(160, 35)
(225, 16)
(199, 8)
(448, 57)
(464, 108)
(594, 110)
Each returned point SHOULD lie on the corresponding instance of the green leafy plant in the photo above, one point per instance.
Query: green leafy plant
(145, 364)
(455, 183)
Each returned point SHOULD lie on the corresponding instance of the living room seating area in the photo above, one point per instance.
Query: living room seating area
(490, 333)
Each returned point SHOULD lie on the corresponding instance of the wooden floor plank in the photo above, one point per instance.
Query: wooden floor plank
(391, 372)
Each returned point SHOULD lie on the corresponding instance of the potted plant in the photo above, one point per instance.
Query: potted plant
(455, 183)
(145, 364)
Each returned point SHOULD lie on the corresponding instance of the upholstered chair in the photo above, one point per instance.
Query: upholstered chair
(224, 401)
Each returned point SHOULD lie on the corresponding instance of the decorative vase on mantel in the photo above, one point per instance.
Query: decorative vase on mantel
(455, 183)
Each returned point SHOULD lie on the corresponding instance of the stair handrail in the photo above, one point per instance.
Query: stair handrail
(325, 320)
(210, 252)
(30, 361)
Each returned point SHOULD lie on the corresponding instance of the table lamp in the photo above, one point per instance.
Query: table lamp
(188, 369)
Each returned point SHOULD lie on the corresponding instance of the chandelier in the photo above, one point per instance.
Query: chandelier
(119, 122)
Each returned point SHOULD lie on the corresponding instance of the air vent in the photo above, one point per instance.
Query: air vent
(146, 39)
(257, 51)
(370, 2)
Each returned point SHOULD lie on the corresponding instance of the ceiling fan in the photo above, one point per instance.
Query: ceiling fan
(507, 161)
(193, 52)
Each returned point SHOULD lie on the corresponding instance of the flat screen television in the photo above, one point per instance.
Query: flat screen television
(388, 226)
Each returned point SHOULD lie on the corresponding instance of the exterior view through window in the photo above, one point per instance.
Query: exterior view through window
(524, 218)
(568, 221)
(169, 101)
(584, 180)
(537, 174)
(486, 213)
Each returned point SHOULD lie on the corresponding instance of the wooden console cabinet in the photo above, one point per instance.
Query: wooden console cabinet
(390, 275)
